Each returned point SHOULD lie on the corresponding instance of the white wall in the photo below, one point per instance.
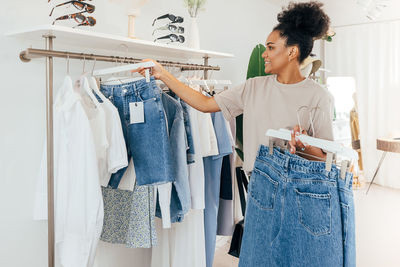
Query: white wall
(235, 27)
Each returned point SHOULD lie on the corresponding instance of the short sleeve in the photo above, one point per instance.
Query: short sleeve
(116, 154)
(231, 101)
(323, 120)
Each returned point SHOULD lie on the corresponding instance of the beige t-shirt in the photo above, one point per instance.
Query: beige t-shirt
(269, 104)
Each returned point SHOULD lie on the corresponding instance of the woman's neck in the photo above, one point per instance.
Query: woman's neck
(291, 74)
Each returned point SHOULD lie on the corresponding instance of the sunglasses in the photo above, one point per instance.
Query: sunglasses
(78, 17)
(48, 1)
(172, 18)
(78, 4)
(173, 38)
(171, 27)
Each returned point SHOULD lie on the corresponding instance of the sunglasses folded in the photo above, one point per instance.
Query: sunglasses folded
(172, 37)
(171, 27)
(79, 18)
(78, 5)
(172, 18)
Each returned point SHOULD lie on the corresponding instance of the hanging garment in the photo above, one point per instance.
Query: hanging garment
(212, 171)
(196, 169)
(129, 217)
(226, 208)
(189, 135)
(116, 155)
(143, 123)
(297, 214)
(180, 193)
(129, 213)
(208, 140)
(183, 245)
(78, 205)
(108, 138)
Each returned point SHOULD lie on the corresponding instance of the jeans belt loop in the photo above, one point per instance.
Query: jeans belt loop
(287, 164)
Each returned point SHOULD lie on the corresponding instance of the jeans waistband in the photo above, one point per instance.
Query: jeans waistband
(286, 162)
(129, 88)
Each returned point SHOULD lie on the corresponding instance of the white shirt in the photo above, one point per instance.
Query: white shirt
(78, 202)
(196, 169)
(115, 156)
(208, 139)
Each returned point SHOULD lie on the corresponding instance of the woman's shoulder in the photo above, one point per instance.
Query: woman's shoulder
(320, 91)
(258, 82)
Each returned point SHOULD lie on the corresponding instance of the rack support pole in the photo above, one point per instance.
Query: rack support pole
(205, 71)
(50, 151)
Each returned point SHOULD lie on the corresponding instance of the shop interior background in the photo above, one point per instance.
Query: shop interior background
(234, 26)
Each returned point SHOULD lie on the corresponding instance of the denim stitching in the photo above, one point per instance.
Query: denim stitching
(275, 184)
(300, 212)
(344, 224)
(282, 212)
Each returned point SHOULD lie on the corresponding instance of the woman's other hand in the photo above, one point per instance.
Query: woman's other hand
(295, 143)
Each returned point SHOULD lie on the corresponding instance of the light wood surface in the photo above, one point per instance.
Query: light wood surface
(388, 144)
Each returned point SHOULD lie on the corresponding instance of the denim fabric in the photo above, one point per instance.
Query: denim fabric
(188, 128)
(293, 215)
(147, 143)
(348, 221)
(212, 177)
(180, 193)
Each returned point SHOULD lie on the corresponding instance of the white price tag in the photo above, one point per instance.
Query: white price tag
(136, 110)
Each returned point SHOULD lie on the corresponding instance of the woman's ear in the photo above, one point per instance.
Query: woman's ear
(293, 52)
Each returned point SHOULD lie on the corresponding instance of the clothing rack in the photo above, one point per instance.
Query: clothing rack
(49, 54)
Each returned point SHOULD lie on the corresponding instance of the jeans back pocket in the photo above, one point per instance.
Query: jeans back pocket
(314, 212)
(263, 189)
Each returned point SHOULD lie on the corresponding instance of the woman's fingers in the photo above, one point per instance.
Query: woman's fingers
(295, 143)
(292, 143)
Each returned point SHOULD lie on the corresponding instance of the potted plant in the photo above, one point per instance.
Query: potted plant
(194, 6)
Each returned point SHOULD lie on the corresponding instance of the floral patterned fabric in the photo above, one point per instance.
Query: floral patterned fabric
(129, 217)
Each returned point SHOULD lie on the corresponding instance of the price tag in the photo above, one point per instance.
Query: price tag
(136, 110)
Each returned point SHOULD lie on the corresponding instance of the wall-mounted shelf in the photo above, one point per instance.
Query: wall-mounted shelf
(109, 42)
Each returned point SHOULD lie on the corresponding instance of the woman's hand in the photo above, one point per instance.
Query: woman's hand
(296, 144)
(157, 71)
(192, 97)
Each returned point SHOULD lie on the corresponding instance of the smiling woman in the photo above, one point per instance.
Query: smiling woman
(272, 102)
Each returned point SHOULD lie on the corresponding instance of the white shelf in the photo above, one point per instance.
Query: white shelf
(95, 40)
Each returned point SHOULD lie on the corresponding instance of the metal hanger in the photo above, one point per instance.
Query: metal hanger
(84, 85)
(333, 149)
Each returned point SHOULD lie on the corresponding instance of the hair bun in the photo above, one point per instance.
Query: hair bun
(308, 18)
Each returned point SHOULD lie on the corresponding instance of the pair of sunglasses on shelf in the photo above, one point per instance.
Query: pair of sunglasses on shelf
(171, 27)
(172, 18)
(80, 5)
(172, 37)
(79, 18)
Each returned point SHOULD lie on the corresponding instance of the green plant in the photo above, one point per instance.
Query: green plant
(194, 6)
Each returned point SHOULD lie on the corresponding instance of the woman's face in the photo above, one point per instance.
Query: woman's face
(276, 55)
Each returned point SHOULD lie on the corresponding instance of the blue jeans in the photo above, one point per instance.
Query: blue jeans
(180, 193)
(345, 188)
(147, 143)
(294, 215)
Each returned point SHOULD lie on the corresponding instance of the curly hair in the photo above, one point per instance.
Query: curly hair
(301, 24)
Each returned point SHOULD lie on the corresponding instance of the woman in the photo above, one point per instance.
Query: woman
(272, 102)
